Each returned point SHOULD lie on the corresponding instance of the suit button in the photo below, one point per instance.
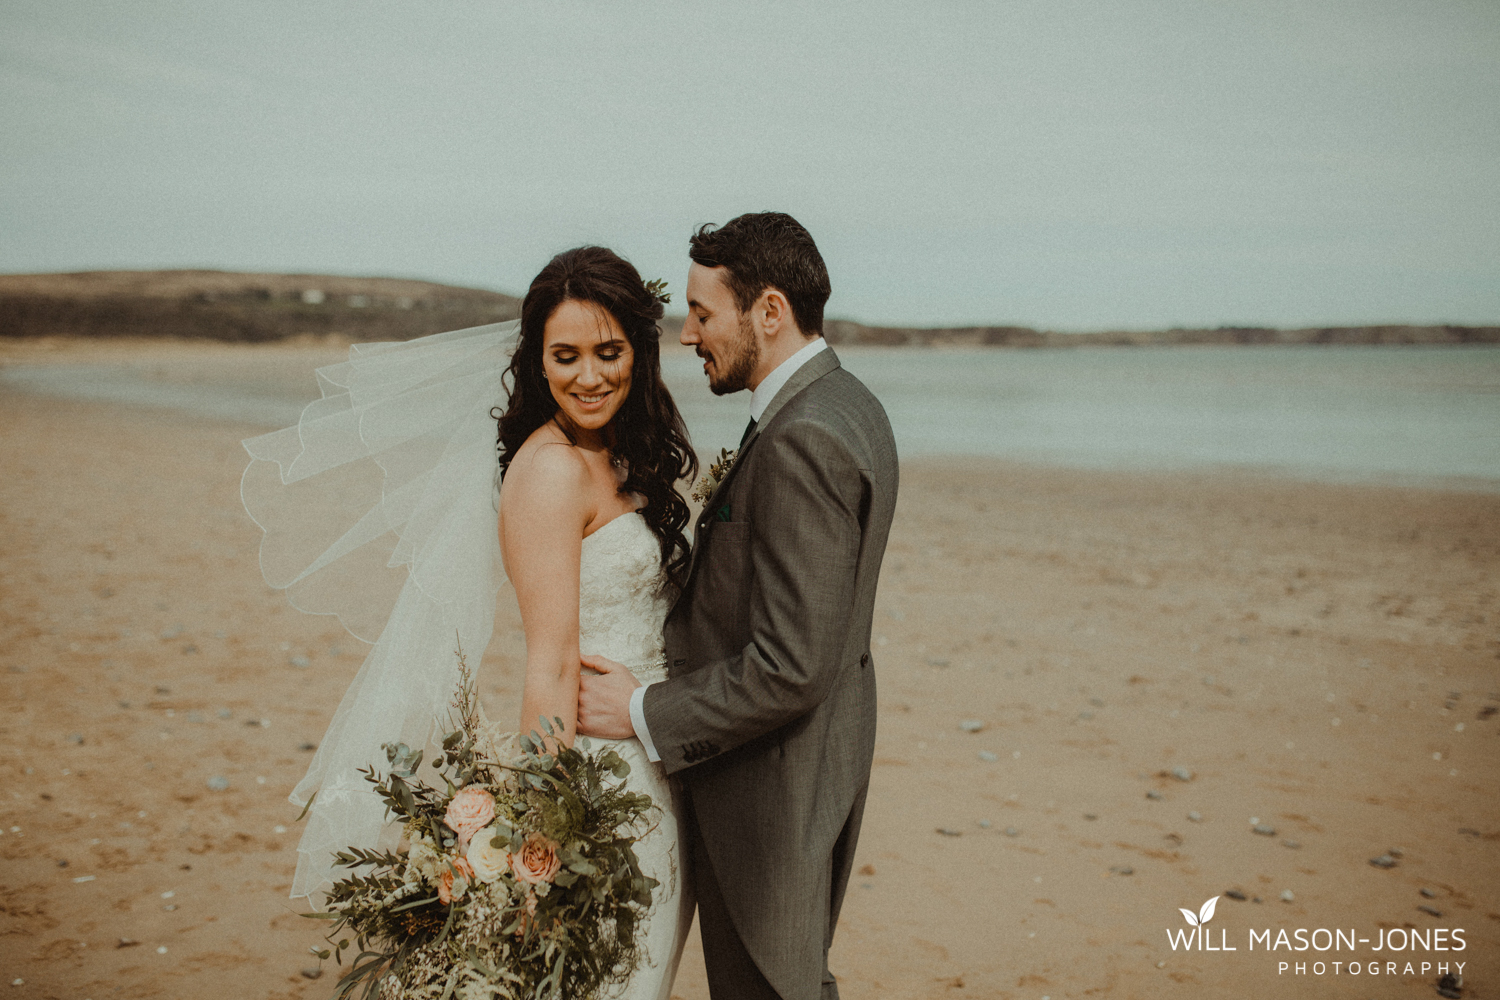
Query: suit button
(864, 660)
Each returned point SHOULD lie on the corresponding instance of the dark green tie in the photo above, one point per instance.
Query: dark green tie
(749, 429)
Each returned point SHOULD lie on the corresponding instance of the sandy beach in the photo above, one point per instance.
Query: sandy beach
(1096, 688)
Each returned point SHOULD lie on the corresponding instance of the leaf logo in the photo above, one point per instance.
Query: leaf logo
(1204, 914)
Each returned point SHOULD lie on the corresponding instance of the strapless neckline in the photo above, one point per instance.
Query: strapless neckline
(612, 521)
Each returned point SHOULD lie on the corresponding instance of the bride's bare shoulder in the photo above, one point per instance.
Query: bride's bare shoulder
(548, 469)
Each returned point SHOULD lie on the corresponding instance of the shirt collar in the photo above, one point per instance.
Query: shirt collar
(772, 383)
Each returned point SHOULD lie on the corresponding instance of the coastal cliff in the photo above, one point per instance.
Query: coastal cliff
(228, 306)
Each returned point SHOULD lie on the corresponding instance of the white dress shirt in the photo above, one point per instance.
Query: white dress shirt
(760, 398)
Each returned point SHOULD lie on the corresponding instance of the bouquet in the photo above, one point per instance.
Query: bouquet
(519, 879)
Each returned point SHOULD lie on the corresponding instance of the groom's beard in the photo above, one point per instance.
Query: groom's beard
(732, 372)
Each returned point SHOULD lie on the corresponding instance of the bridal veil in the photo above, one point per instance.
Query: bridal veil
(380, 507)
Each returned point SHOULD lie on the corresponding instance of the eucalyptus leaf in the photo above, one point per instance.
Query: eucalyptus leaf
(582, 941)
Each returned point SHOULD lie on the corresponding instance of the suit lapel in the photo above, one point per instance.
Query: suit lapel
(819, 365)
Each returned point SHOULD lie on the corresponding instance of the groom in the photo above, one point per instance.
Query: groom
(768, 713)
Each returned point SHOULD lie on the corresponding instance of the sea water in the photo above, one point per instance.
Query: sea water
(1338, 413)
(1341, 413)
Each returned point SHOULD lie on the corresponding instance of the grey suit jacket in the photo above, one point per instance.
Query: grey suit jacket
(768, 712)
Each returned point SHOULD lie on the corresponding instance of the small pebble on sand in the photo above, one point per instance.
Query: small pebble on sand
(1195, 816)
(1264, 830)
(1286, 896)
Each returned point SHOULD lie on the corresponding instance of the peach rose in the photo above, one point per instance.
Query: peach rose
(536, 861)
(453, 868)
(471, 810)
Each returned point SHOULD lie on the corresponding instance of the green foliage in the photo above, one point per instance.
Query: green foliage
(572, 937)
(657, 287)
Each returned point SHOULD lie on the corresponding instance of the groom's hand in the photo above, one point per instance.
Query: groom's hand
(604, 699)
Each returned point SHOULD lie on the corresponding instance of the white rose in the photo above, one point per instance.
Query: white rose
(489, 863)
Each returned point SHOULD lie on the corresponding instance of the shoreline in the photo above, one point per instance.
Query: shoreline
(268, 384)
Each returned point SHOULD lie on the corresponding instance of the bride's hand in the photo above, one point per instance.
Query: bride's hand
(604, 699)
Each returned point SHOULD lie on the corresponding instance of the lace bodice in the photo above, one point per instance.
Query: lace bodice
(622, 599)
(622, 605)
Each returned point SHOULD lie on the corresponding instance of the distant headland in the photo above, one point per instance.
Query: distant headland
(252, 308)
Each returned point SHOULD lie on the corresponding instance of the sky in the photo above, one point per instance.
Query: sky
(1066, 165)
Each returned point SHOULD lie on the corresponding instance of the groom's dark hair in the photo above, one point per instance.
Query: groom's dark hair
(767, 250)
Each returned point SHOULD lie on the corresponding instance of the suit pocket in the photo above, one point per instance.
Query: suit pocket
(728, 533)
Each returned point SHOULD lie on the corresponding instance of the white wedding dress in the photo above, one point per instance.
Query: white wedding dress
(380, 507)
(622, 605)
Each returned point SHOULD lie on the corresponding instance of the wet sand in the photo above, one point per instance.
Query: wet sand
(1321, 659)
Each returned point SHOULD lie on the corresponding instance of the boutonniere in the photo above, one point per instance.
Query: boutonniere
(716, 475)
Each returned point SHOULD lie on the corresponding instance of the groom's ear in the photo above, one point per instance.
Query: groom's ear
(774, 313)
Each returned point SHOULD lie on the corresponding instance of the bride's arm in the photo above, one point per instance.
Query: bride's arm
(544, 510)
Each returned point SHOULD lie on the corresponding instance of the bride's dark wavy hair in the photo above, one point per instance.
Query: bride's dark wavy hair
(649, 433)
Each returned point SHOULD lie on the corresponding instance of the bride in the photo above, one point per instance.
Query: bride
(589, 532)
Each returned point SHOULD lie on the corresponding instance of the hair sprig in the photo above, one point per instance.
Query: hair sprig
(658, 289)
